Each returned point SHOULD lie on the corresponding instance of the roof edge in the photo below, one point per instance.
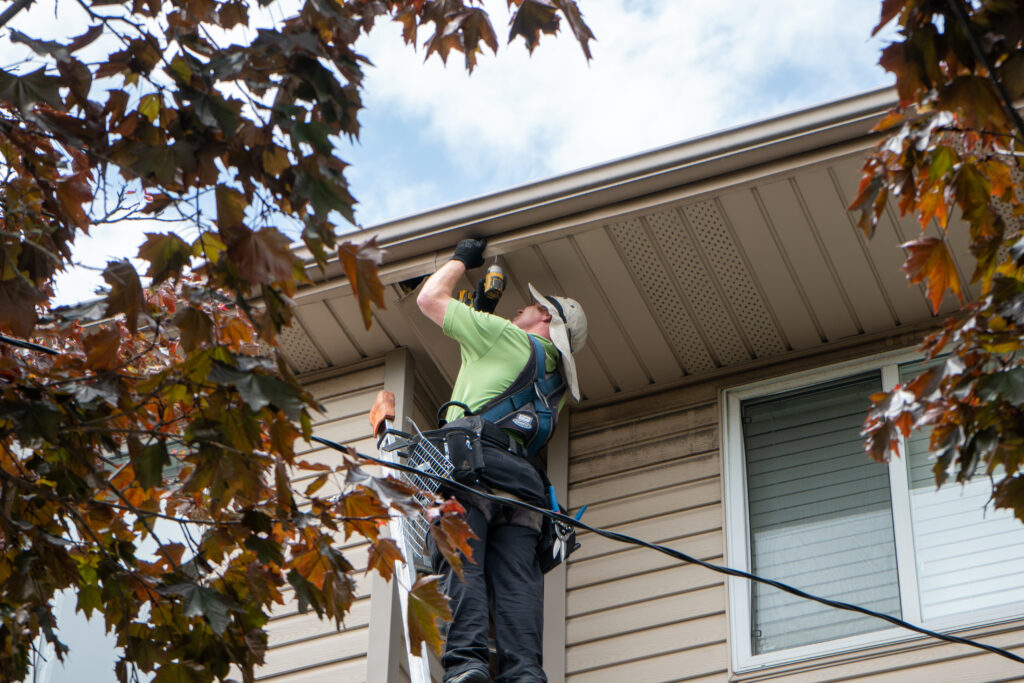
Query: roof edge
(630, 177)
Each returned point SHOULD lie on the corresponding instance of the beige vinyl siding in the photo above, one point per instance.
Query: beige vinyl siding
(650, 467)
(302, 648)
(634, 614)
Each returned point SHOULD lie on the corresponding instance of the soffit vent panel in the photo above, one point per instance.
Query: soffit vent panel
(733, 274)
(642, 258)
(299, 350)
(697, 285)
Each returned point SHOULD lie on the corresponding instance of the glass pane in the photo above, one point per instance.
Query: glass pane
(820, 514)
(968, 553)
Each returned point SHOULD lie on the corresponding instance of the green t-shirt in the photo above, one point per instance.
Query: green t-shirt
(494, 352)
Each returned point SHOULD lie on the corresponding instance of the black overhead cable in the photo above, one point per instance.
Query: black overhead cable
(729, 571)
(31, 346)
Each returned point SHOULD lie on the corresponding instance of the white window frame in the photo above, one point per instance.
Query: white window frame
(738, 532)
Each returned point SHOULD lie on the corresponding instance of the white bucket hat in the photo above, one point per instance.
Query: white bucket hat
(568, 332)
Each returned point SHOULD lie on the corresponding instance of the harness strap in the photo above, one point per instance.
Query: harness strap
(533, 396)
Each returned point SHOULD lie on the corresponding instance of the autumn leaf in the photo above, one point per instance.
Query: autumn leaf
(167, 254)
(125, 295)
(426, 608)
(72, 193)
(102, 348)
(231, 206)
(890, 8)
(533, 18)
(363, 513)
(199, 601)
(384, 554)
(975, 101)
(361, 269)
(259, 390)
(262, 257)
(149, 464)
(452, 535)
(930, 261)
(27, 91)
(18, 301)
(579, 28)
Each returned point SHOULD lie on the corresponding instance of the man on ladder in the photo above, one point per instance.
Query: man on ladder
(515, 377)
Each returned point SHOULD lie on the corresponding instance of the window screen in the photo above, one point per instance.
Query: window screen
(820, 514)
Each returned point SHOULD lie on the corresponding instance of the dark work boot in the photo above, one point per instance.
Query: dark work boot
(470, 676)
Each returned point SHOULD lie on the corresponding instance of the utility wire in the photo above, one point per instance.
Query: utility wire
(623, 538)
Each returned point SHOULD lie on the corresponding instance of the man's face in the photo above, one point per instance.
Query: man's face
(527, 318)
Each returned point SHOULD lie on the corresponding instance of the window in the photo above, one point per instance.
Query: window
(806, 506)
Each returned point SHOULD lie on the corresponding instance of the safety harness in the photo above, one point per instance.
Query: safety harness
(529, 407)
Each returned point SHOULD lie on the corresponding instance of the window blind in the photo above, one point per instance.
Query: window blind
(820, 514)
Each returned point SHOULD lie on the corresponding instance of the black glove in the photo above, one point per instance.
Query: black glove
(470, 252)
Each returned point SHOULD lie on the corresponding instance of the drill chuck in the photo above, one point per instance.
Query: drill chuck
(494, 282)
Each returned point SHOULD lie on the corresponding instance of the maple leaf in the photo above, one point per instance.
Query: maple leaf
(361, 268)
(890, 8)
(531, 19)
(199, 601)
(18, 301)
(909, 77)
(931, 261)
(426, 607)
(167, 254)
(975, 101)
(28, 90)
(384, 554)
(579, 27)
(149, 462)
(231, 207)
(102, 348)
(452, 535)
(72, 192)
(125, 295)
(363, 513)
(262, 257)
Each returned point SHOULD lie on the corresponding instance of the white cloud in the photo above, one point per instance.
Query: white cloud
(662, 72)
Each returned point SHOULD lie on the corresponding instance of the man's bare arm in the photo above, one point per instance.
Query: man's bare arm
(437, 290)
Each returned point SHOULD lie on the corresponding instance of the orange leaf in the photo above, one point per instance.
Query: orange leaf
(426, 607)
(999, 178)
(361, 269)
(312, 565)
(933, 205)
(102, 348)
(363, 513)
(383, 556)
(930, 261)
(72, 193)
(452, 535)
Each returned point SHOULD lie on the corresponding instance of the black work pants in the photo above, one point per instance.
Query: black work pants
(504, 577)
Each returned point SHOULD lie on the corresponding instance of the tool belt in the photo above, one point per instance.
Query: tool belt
(464, 439)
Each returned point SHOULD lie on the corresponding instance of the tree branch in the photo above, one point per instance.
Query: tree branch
(15, 7)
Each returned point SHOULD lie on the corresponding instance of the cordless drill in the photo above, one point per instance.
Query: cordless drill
(488, 290)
